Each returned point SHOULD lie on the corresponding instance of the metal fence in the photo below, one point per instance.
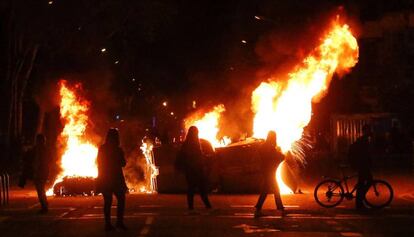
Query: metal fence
(4, 189)
(347, 128)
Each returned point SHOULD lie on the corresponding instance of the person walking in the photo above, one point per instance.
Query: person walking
(111, 179)
(36, 166)
(270, 158)
(190, 162)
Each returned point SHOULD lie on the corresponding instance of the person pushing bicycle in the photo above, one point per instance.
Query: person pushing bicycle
(359, 157)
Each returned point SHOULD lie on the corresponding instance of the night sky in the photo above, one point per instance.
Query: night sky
(133, 55)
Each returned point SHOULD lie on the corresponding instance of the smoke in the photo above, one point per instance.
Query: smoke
(270, 56)
(134, 170)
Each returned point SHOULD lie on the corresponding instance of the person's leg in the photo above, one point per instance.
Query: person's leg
(360, 192)
(41, 194)
(190, 191)
(107, 196)
(204, 192)
(120, 197)
(261, 200)
(264, 189)
(278, 199)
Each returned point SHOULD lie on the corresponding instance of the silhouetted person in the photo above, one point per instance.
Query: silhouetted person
(36, 166)
(360, 159)
(110, 178)
(190, 162)
(270, 158)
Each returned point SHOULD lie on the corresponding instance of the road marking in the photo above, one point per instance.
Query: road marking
(133, 214)
(101, 207)
(249, 216)
(249, 229)
(351, 234)
(251, 206)
(243, 214)
(242, 206)
(298, 215)
(66, 213)
(150, 206)
(407, 196)
(144, 231)
(98, 217)
(148, 222)
(34, 205)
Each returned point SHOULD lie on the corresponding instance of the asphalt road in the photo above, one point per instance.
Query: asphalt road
(166, 215)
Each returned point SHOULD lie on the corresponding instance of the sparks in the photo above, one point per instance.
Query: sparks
(286, 107)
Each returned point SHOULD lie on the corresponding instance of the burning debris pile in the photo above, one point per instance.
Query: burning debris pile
(284, 105)
(151, 170)
(79, 153)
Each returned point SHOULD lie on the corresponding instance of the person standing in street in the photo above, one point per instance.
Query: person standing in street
(41, 162)
(270, 158)
(360, 159)
(36, 167)
(110, 180)
(190, 161)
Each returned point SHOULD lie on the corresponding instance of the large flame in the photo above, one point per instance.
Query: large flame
(286, 107)
(151, 170)
(79, 156)
(207, 125)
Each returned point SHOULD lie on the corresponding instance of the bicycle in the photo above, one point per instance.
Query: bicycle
(331, 192)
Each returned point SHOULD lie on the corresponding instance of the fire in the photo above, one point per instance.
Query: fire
(79, 156)
(151, 170)
(208, 126)
(286, 107)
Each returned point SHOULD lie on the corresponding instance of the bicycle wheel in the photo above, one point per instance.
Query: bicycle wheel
(379, 194)
(329, 193)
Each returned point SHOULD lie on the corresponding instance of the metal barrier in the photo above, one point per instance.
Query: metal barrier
(4, 189)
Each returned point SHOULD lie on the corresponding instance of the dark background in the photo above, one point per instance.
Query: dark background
(185, 51)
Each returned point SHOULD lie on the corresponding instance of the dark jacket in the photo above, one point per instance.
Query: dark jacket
(110, 176)
(270, 158)
(190, 159)
(36, 164)
(360, 155)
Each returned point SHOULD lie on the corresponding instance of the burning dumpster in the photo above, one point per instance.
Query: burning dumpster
(234, 169)
(168, 179)
(239, 169)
